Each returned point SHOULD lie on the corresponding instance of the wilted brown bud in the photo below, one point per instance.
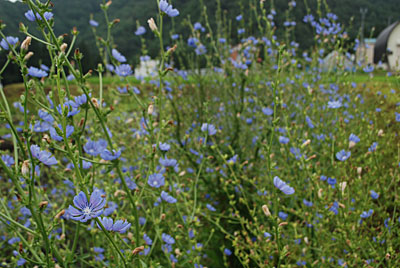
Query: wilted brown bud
(26, 43)
(46, 138)
(95, 103)
(163, 216)
(312, 157)
(28, 55)
(307, 142)
(59, 214)
(43, 204)
(172, 49)
(137, 250)
(81, 122)
(119, 192)
(116, 21)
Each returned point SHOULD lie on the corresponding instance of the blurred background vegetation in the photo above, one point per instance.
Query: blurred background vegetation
(76, 13)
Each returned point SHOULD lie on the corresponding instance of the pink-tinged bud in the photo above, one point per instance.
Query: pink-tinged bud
(108, 3)
(266, 210)
(152, 24)
(25, 168)
(28, 55)
(26, 43)
(63, 47)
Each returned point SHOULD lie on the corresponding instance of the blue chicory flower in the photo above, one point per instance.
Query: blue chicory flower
(120, 226)
(53, 133)
(281, 185)
(210, 207)
(168, 9)
(140, 31)
(354, 138)
(123, 70)
(110, 155)
(93, 23)
(366, 214)
(8, 40)
(84, 210)
(35, 72)
(8, 160)
(374, 195)
(33, 16)
(168, 239)
(118, 56)
(334, 104)
(343, 155)
(43, 156)
(95, 148)
(156, 180)
(168, 198)
(209, 128)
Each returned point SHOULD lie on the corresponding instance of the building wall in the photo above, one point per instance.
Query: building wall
(394, 46)
(365, 54)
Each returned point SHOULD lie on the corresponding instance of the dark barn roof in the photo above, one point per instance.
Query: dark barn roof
(380, 50)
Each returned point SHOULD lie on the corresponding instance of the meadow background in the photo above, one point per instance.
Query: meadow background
(238, 150)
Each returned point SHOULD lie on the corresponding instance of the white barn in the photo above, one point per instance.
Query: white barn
(387, 47)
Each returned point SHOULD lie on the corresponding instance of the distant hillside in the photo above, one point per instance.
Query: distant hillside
(70, 13)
